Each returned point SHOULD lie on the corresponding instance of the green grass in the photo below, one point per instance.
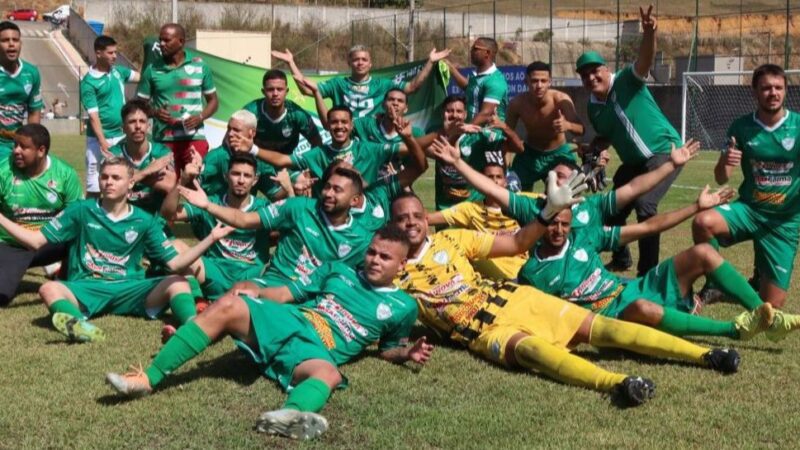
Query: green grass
(53, 393)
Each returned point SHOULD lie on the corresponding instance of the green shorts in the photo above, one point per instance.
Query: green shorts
(120, 297)
(284, 339)
(272, 279)
(659, 285)
(533, 164)
(222, 274)
(774, 239)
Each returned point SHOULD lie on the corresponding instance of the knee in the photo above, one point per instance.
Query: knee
(329, 375)
(705, 255)
(703, 222)
(227, 307)
(177, 284)
(50, 292)
(644, 312)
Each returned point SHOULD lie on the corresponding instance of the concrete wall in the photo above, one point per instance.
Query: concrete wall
(62, 126)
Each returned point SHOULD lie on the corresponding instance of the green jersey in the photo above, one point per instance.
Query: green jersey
(282, 134)
(595, 211)
(577, 273)
(370, 129)
(215, 168)
(180, 91)
(477, 149)
(366, 157)
(108, 248)
(104, 93)
(364, 98)
(21, 94)
(489, 87)
(308, 239)
(374, 211)
(631, 119)
(349, 314)
(246, 248)
(142, 195)
(32, 202)
(770, 163)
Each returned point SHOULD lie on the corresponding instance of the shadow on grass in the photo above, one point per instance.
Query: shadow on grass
(43, 322)
(234, 366)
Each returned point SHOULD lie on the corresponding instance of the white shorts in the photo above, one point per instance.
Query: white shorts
(93, 158)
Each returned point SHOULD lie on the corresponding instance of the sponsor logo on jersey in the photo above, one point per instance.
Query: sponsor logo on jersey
(94, 225)
(131, 236)
(583, 217)
(772, 198)
(378, 212)
(27, 87)
(286, 131)
(441, 257)
(771, 167)
(345, 321)
(190, 69)
(788, 143)
(466, 150)
(383, 312)
(312, 232)
(581, 255)
(344, 250)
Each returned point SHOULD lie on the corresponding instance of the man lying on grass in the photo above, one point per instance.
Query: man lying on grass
(107, 239)
(300, 345)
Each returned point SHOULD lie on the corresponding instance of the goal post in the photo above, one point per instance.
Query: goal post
(713, 100)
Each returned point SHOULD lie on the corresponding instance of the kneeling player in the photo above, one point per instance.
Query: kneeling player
(519, 325)
(301, 346)
(107, 240)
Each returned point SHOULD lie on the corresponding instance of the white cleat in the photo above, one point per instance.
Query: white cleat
(292, 424)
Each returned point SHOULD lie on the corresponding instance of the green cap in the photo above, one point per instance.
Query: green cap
(589, 58)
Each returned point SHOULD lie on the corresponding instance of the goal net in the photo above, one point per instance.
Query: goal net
(713, 100)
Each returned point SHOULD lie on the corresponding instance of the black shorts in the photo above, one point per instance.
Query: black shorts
(14, 261)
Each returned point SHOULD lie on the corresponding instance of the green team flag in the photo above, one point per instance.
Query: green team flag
(237, 84)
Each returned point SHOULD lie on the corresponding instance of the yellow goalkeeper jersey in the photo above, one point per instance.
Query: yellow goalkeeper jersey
(447, 288)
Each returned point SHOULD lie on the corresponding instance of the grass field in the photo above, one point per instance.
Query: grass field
(53, 393)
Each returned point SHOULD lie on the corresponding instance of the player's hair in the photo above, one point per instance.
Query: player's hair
(396, 89)
(561, 161)
(340, 108)
(103, 42)
(243, 158)
(494, 164)
(117, 161)
(452, 98)
(247, 118)
(489, 42)
(538, 66)
(356, 49)
(273, 74)
(7, 25)
(179, 30)
(133, 105)
(350, 174)
(768, 69)
(38, 134)
(405, 195)
(392, 233)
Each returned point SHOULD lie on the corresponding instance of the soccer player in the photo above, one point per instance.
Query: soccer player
(519, 326)
(366, 157)
(152, 161)
(107, 239)
(766, 145)
(239, 138)
(360, 91)
(34, 187)
(548, 115)
(176, 85)
(486, 90)
(485, 216)
(243, 254)
(102, 91)
(341, 312)
(281, 121)
(313, 231)
(21, 94)
(622, 110)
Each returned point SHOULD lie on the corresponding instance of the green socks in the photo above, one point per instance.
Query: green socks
(679, 323)
(189, 341)
(67, 307)
(734, 285)
(194, 285)
(710, 284)
(183, 307)
(310, 395)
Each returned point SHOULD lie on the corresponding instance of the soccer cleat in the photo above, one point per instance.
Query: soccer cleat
(783, 324)
(750, 323)
(633, 391)
(133, 383)
(167, 331)
(200, 304)
(725, 360)
(292, 424)
(77, 330)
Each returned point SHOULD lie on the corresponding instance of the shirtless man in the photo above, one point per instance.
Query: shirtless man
(548, 115)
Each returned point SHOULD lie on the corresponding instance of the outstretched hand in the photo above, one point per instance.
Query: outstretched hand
(682, 155)
(708, 199)
(196, 196)
(564, 196)
(221, 230)
(444, 151)
(421, 351)
(436, 56)
(285, 56)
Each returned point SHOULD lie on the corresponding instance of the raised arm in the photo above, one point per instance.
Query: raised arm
(662, 222)
(647, 49)
(232, 216)
(185, 259)
(436, 218)
(287, 57)
(727, 162)
(647, 181)
(170, 207)
(32, 239)
(433, 58)
(319, 102)
(460, 79)
(568, 120)
(418, 163)
(513, 143)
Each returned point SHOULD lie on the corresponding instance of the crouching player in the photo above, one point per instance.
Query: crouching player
(341, 312)
(107, 240)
